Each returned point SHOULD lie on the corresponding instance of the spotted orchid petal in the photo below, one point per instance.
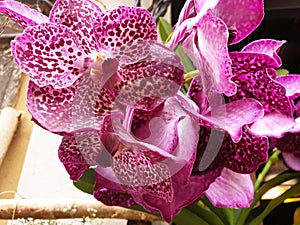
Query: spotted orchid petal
(291, 160)
(73, 151)
(260, 86)
(81, 105)
(149, 82)
(291, 83)
(126, 32)
(233, 190)
(50, 54)
(234, 115)
(22, 14)
(66, 12)
(246, 155)
(207, 48)
(244, 16)
(138, 174)
(266, 46)
(83, 149)
(273, 125)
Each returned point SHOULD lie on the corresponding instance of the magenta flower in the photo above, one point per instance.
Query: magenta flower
(205, 28)
(289, 142)
(150, 166)
(80, 60)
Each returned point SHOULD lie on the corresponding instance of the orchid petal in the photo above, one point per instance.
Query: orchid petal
(146, 84)
(291, 160)
(50, 54)
(234, 115)
(266, 46)
(22, 14)
(81, 105)
(290, 144)
(243, 62)
(135, 171)
(291, 83)
(108, 190)
(270, 93)
(273, 125)
(79, 16)
(242, 15)
(231, 190)
(196, 188)
(210, 55)
(124, 25)
(81, 149)
(246, 155)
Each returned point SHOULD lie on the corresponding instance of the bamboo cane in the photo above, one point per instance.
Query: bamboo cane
(9, 119)
(66, 209)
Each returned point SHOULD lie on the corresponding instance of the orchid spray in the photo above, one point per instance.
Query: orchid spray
(175, 126)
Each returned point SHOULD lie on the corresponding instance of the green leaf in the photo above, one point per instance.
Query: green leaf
(293, 191)
(86, 181)
(187, 63)
(187, 217)
(164, 29)
(282, 72)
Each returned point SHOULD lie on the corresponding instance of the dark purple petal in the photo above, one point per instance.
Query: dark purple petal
(49, 54)
(291, 83)
(273, 125)
(246, 155)
(147, 83)
(207, 48)
(266, 46)
(232, 116)
(290, 144)
(124, 25)
(79, 16)
(291, 160)
(231, 190)
(260, 86)
(22, 14)
(242, 15)
(108, 190)
(184, 195)
(81, 105)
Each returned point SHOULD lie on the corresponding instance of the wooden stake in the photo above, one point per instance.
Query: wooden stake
(66, 209)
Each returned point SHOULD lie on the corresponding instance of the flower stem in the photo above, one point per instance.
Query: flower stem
(272, 160)
(205, 214)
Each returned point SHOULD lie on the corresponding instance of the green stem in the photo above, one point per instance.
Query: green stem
(188, 217)
(272, 160)
(220, 212)
(276, 202)
(261, 191)
(207, 215)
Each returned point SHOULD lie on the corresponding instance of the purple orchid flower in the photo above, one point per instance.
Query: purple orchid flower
(150, 164)
(205, 28)
(81, 61)
(289, 142)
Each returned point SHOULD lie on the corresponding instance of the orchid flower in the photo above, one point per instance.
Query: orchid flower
(150, 166)
(289, 142)
(205, 28)
(81, 60)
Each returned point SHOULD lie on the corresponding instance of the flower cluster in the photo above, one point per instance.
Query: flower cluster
(103, 81)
